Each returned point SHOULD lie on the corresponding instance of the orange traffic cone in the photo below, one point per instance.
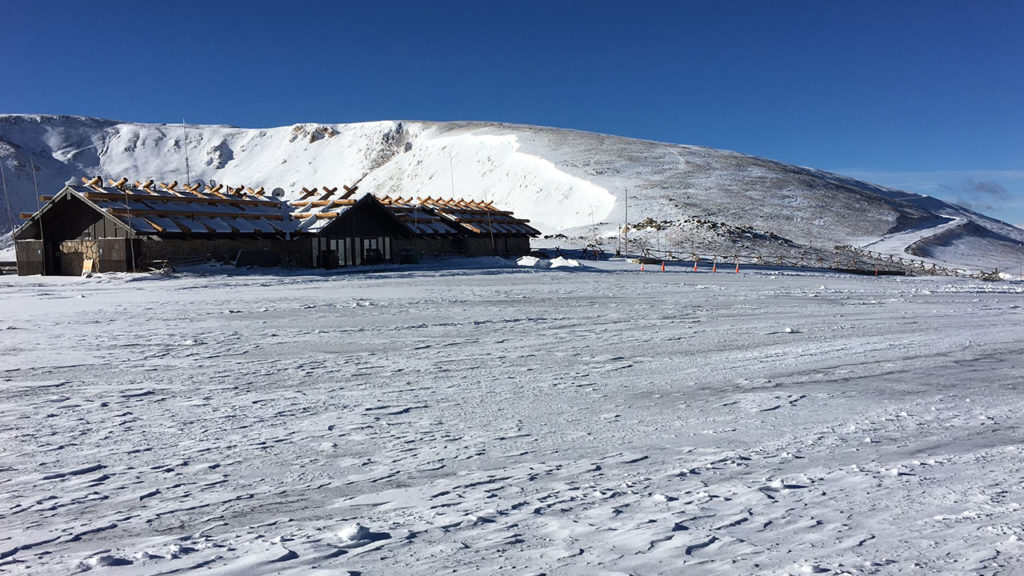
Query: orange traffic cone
(662, 265)
(714, 266)
(737, 267)
(694, 265)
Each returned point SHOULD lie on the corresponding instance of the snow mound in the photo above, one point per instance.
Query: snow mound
(354, 533)
(559, 262)
(533, 262)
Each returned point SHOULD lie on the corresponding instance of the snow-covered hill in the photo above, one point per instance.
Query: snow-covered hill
(681, 197)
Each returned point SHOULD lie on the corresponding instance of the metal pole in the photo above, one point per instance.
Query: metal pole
(490, 228)
(625, 227)
(129, 235)
(188, 177)
(35, 185)
(7, 197)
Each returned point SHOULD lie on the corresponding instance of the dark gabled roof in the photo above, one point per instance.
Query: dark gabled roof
(149, 210)
(166, 209)
(479, 217)
(420, 220)
(366, 216)
(315, 211)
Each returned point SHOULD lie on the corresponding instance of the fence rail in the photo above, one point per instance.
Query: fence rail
(917, 267)
(843, 258)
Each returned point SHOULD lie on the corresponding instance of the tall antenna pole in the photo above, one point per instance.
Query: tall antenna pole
(35, 184)
(625, 227)
(39, 202)
(129, 236)
(7, 197)
(188, 180)
(490, 228)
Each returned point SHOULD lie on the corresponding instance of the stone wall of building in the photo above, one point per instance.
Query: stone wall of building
(74, 253)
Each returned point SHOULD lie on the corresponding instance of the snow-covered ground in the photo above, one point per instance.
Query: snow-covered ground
(511, 420)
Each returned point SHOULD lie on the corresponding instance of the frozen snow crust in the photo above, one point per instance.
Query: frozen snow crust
(505, 419)
(681, 198)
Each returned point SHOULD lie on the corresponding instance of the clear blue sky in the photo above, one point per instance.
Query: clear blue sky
(926, 95)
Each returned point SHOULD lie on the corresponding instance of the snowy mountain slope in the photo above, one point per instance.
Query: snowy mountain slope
(564, 181)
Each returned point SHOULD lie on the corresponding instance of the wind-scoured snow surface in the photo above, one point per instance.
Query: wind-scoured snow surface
(508, 420)
(564, 181)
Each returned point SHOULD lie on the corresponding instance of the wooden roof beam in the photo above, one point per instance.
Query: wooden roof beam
(216, 201)
(155, 226)
(317, 215)
(118, 211)
(94, 183)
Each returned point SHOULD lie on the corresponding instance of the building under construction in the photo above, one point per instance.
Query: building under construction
(124, 226)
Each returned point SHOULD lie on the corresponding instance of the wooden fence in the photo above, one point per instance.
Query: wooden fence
(843, 258)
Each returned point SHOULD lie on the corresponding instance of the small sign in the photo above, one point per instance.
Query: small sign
(87, 266)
